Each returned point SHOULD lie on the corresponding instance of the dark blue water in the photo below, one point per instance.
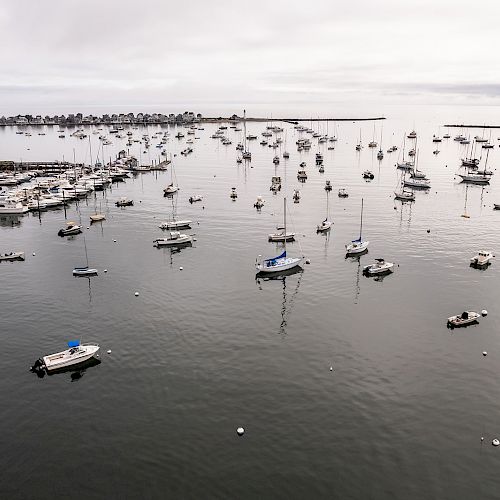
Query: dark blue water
(206, 349)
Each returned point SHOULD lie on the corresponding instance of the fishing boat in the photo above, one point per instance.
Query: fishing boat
(175, 238)
(466, 318)
(282, 262)
(483, 258)
(70, 229)
(12, 256)
(380, 266)
(358, 246)
(75, 354)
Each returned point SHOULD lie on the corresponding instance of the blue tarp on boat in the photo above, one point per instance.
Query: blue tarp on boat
(73, 343)
(283, 255)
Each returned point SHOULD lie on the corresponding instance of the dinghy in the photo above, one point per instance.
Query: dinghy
(466, 318)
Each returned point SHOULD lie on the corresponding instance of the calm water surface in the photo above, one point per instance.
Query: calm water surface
(207, 349)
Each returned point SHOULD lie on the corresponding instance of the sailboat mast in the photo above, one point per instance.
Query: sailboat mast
(86, 255)
(284, 219)
(361, 223)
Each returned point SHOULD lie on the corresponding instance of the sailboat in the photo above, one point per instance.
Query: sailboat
(404, 194)
(281, 262)
(358, 246)
(97, 216)
(246, 154)
(359, 145)
(171, 188)
(326, 224)
(85, 271)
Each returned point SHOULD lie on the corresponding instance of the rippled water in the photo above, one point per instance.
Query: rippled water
(207, 349)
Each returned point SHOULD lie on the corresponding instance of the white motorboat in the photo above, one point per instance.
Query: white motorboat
(412, 135)
(176, 224)
(380, 266)
(482, 258)
(282, 262)
(195, 198)
(76, 353)
(358, 246)
(176, 238)
(343, 193)
(11, 206)
(12, 256)
(70, 229)
(466, 318)
(84, 271)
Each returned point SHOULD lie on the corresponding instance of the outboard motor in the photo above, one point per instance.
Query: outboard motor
(38, 367)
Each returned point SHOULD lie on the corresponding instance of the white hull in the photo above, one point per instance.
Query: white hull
(176, 224)
(84, 271)
(70, 357)
(457, 320)
(283, 264)
(12, 256)
(180, 240)
(280, 237)
(356, 248)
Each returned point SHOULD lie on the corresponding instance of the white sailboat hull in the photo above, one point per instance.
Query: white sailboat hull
(278, 265)
(354, 248)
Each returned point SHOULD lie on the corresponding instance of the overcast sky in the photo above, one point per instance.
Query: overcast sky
(107, 55)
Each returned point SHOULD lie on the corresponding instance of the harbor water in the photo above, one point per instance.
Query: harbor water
(346, 386)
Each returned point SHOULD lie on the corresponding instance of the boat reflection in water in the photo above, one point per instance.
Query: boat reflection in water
(288, 299)
(76, 371)
(10, 220)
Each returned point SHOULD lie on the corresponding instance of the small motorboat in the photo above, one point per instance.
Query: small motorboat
(76, 353)
(343, 193)
(176, 238)
(195, 198)
(301, 175)
(380, 266)
(12, 256)
(482, 258)
(233, 194)
(259, 203)
(328, 186)
(276, 160)
(368, 175)
(296, 196)
(324, 226)
(124, 202)
(84, 271)
(380, 155)
(176, 224)
(70, 229)
(466, 318)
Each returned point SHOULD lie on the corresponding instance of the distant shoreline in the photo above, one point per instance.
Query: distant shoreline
(472, 126)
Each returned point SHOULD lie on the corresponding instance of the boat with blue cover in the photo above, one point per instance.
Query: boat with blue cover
(76, 353)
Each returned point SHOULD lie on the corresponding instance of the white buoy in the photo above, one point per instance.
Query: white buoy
(105, 270)
(88, 227)
(485, 353)
(34, 254)
(331, 368)
(495, 442)
(114, 241)
(181, 268)
(136, 294)
(484, 312)
(109, 351)
(240, 431)
(482, 438)
(308, 261)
